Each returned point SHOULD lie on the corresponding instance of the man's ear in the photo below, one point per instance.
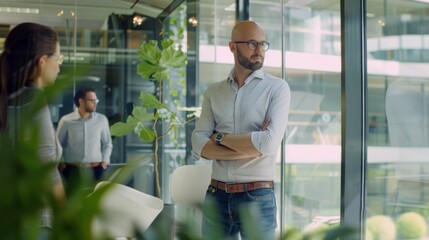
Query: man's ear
(231, 46)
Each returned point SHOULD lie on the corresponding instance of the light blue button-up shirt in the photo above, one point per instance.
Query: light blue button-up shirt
(239, 111)
(85, 141)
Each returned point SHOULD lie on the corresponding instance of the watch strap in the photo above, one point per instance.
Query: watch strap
(219, 138)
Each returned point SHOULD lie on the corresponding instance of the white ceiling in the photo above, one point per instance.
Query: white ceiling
(92, 14)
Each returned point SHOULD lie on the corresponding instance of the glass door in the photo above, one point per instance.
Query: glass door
(398, 162)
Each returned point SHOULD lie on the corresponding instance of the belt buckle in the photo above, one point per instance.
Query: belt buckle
(226, 187)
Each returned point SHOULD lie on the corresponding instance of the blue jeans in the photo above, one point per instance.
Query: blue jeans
(81, 178)
(228, 215)
(44, 234)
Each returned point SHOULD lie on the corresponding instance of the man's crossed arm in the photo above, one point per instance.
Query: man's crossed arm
(234, 146)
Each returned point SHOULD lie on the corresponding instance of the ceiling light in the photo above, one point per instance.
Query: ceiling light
(193, 21)
(19, 10)
(138, 20)
(423, 1)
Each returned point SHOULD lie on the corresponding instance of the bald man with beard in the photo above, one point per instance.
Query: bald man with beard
(242, 123)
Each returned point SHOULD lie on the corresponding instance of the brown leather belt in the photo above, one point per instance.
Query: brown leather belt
(91, 165)
(241, 187)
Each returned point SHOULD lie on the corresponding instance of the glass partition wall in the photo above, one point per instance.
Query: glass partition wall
(397, 183)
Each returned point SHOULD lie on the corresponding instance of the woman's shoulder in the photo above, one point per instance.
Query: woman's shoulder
(24, 96)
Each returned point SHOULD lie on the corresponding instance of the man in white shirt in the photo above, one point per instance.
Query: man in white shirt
(242, 123)
(85, 137)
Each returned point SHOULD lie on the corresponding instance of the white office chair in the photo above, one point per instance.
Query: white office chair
(124, 211)
(188, 186)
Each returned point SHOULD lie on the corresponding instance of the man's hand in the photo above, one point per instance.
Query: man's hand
(61, 166)
(263, 128)
(104, 165)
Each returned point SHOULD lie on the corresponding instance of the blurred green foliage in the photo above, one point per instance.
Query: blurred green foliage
(411, 225)
(24, 184)
(381, 227)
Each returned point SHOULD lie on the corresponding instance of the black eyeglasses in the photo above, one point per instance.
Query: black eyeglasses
(252, 44)
(93, 100)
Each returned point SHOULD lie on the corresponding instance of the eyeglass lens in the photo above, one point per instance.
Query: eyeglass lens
(93, 100)
(60, 58)
(254, 44)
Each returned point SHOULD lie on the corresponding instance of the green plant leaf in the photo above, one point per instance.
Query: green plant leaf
(146, 70)
(181, 35)
(132, 120)
(173, 58)
(167, 43)
(339, 232)
(147, 134)
(174, 92)
(150, 101)
(121, 129)
(155, 63)
(174, 128)
(141, 114)
(173, 21)
(149, 52)
(162, 75)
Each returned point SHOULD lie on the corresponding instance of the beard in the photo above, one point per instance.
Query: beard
(246, 62)
(89, 109)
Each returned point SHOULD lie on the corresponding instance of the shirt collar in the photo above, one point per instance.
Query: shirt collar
(257, 74)
(76, 114)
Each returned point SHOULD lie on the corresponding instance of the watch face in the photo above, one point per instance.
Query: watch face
(219, 138)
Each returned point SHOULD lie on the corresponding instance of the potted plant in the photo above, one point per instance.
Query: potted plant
(156, 63)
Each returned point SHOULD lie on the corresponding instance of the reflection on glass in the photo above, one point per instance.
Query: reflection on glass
(406, 112)
(311, 53)
(398, 162)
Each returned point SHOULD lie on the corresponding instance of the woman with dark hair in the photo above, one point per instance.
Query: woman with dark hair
(29, 62)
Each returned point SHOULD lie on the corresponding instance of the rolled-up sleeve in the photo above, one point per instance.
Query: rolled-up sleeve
(267, 141)
(106, 142)
(61, 132)
(204, 128)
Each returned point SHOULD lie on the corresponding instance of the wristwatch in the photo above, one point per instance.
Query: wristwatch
(219, 138)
